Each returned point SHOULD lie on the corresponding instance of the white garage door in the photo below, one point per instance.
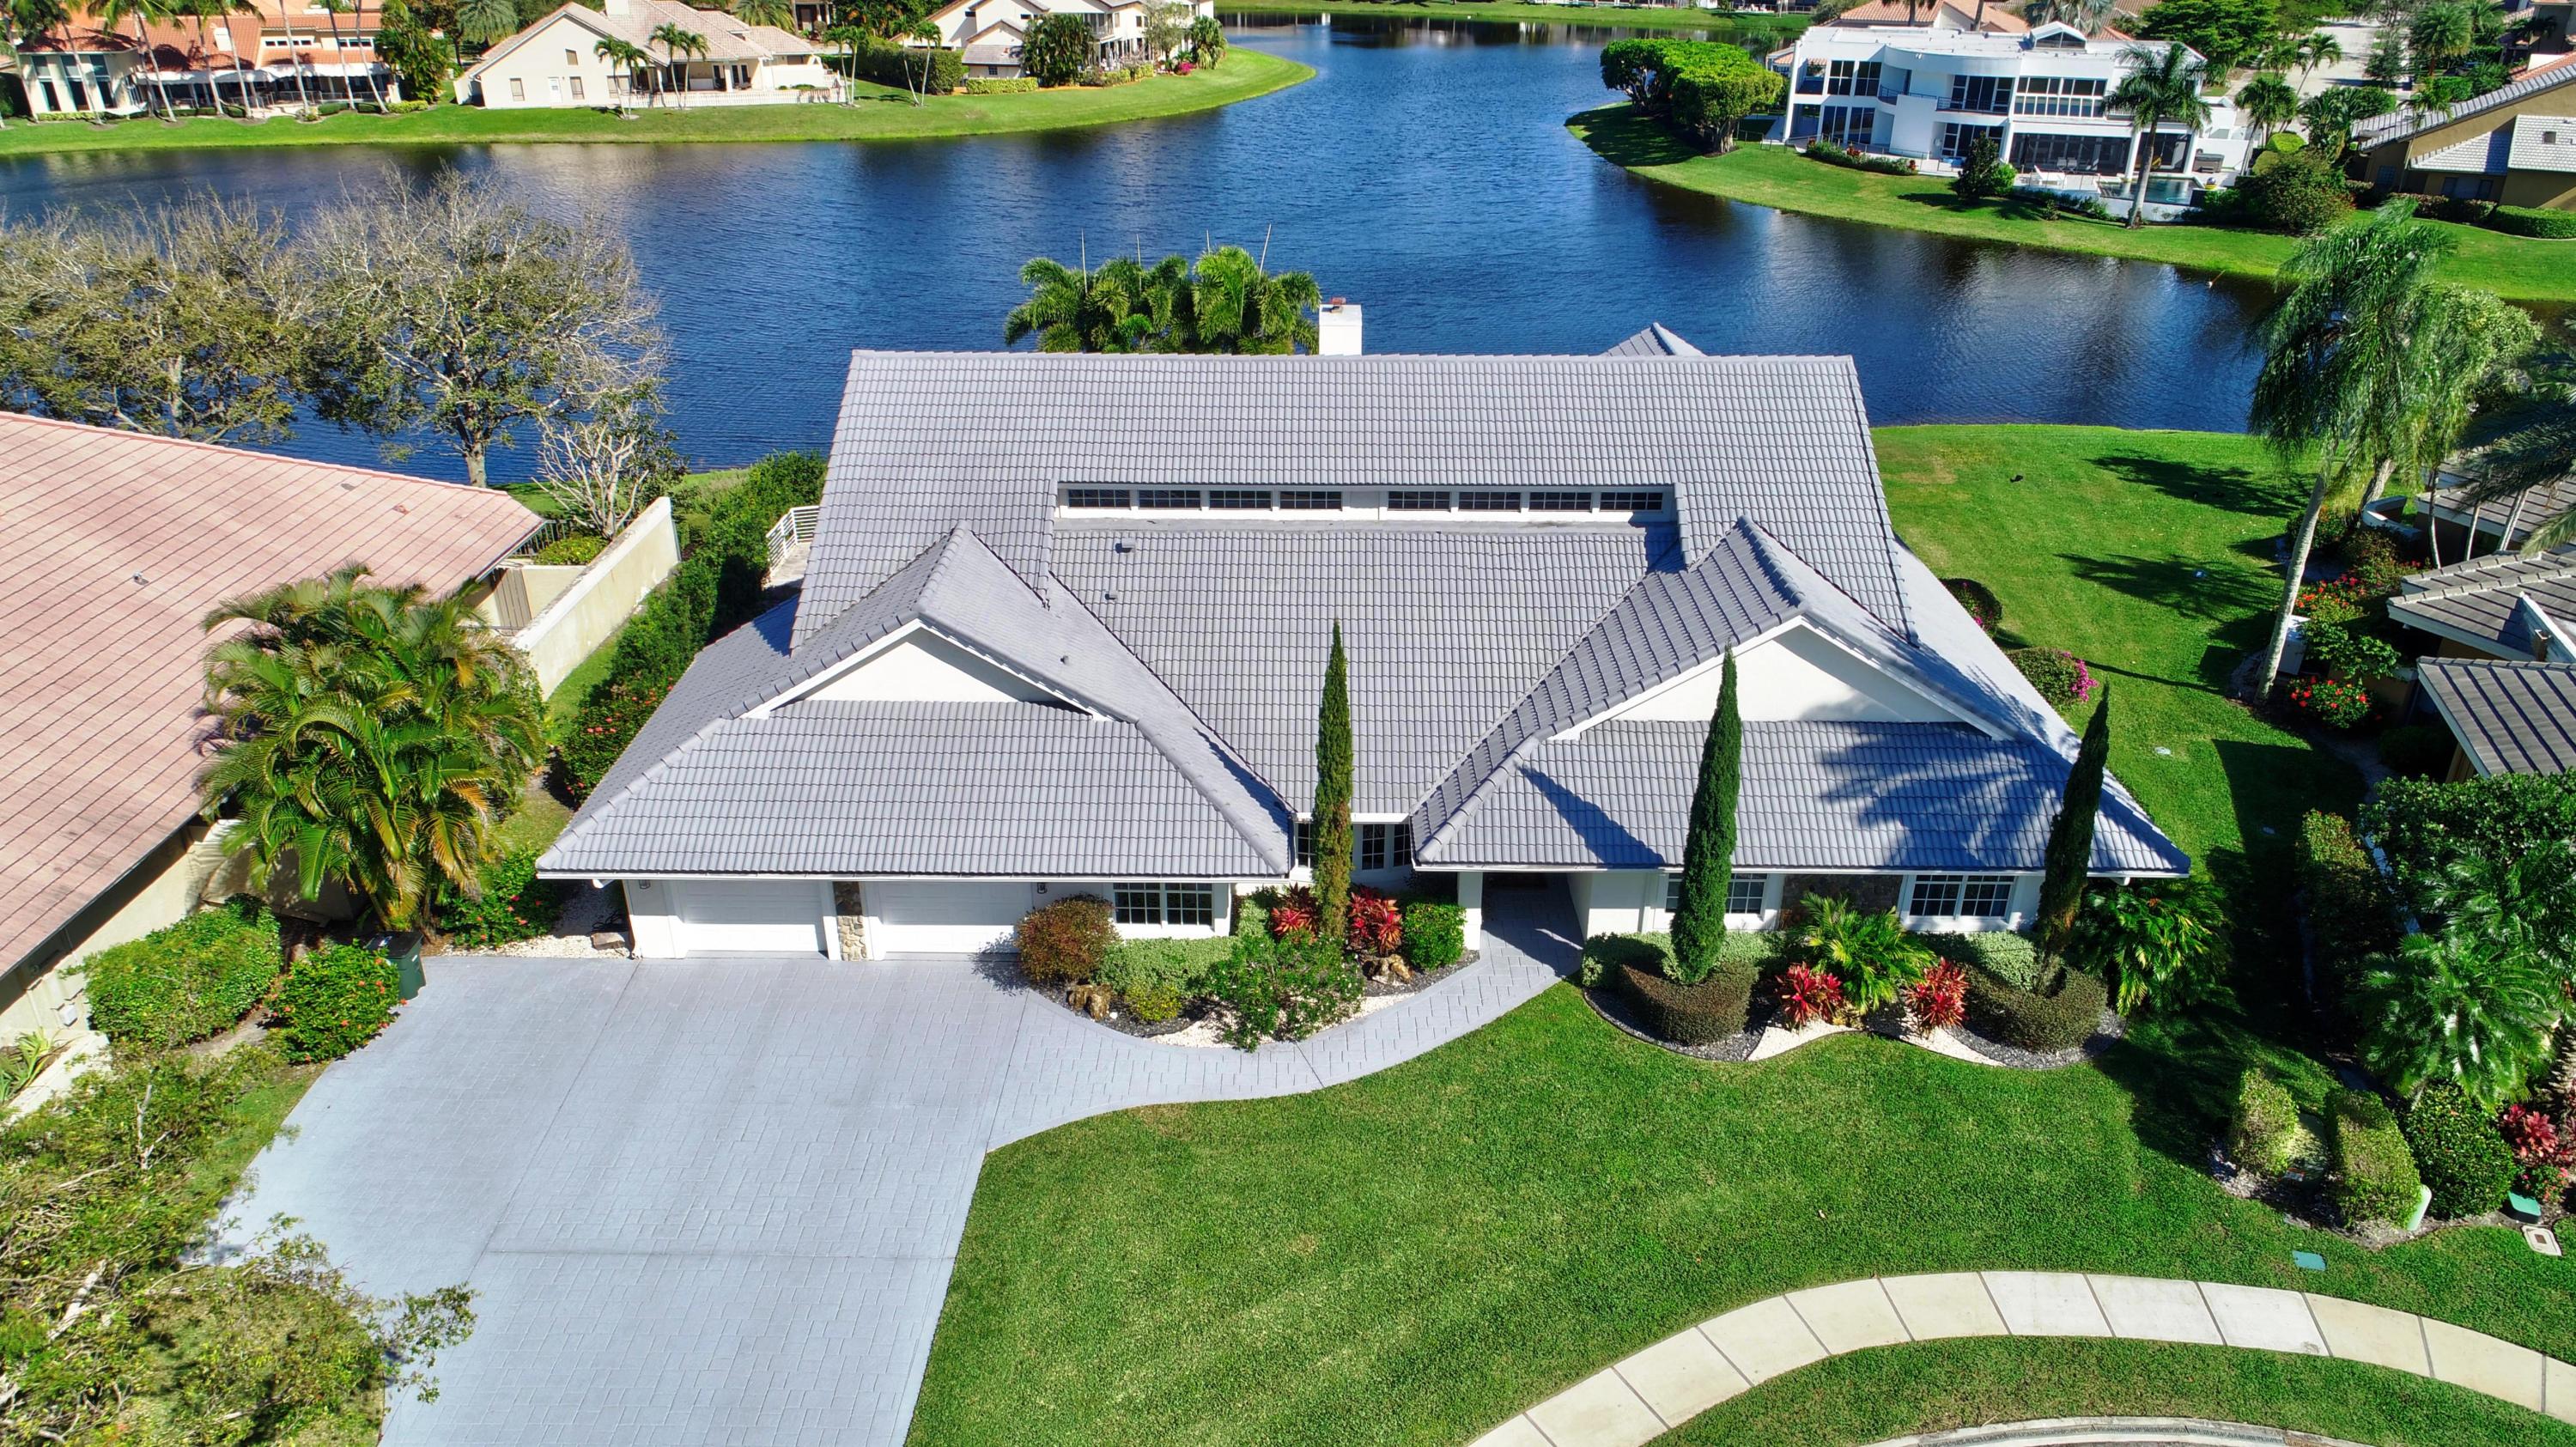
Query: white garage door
(749, 916)
(916, 917)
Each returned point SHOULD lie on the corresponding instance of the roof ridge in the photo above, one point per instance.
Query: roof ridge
(30, 419)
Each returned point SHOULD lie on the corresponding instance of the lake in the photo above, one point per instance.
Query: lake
(1424, 173)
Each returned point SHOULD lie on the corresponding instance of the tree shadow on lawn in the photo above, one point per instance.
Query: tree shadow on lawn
(2178, 585)
(2255, 492)
(1626, 137)
(2008, 208)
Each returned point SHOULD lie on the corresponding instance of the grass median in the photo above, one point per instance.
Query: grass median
(2515, 267)
(879, 113)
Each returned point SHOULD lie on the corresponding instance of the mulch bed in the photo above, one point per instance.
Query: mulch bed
(1612, 1004)
(1422, 979)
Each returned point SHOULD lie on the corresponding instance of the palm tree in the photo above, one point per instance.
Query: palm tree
(22, 20)
(2535, 451)
(358, 30)
(486, 22)
(851, 39)
(2270, 103)
(295, 55)
(2316, 48)
(628, 56)
(112, 13)
(2334, 356)
(340, 53)
(1078, 309)
(2440, 33)
(369, 735)
(2086, 15)
(779, 13)
(2464, 340)
(2465, 1007)
(678, 44)
(928, 35)
(2161, 86)
(1238, 306)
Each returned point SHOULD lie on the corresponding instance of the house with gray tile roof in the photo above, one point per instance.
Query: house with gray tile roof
(2507, 718)
(2515, 145)
(2503, 605)
(1066, 617)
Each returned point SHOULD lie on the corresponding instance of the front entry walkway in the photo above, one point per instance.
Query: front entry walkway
(717, 1201)
(1659, 1388)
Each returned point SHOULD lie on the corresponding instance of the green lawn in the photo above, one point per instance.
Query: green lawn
(1625, 17)
(882, 113)
(1416, 1256)
(2519, 268)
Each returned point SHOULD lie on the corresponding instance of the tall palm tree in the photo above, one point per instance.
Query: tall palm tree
(369, 735)
(678, 44)
(2161, 86)
(486, 22)
(358, 31)
(1078, 308)
(2334, 356)
(2535, 451)
(780, 13)
(851, 39)
(1238, 306)
(295, 54)
(627, 56)
(339, 52)
(928, 35)
(2314, 49)
(2463, 342)
(2440, 34)
(2270, 103)
(112, 13)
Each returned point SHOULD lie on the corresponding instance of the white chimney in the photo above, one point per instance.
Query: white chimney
(1337, 329)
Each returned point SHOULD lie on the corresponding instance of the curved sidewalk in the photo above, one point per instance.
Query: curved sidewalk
(1659, 1388)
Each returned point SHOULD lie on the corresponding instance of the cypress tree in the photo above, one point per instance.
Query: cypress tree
(1333, 798)
(1708, 854)
(2069, 862)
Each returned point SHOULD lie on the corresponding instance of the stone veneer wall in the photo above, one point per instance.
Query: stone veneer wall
(1874, 893)
(848, 910)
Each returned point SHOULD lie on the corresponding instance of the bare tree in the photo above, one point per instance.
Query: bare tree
(605, 468)
(455, 314)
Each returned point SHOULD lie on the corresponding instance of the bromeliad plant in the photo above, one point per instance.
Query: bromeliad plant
(1808, 995)
(1869, 952)
(1939, 1001)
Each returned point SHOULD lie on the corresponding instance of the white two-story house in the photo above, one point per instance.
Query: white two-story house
(989, 33)
(1927, 92)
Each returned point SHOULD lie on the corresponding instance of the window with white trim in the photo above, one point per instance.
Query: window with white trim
(1386, 846)
(1489, 502)
(1745, 893)
(1320, 500)
(1185, 497)
(1306, 842)
(1151, 902)
(1239, 499)
(1403, 500)
(1961, 896)
(1560, 502)
(1096, 497)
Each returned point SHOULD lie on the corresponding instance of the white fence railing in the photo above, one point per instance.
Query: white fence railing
(794, 529)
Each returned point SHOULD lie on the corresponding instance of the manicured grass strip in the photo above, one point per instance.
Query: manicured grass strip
(1624, 17)
(1932, 1386)
(2149, 555)
(2519, 268)
(882, 113)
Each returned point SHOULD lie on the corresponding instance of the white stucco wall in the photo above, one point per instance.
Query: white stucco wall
(1798, 674)
(922, 667)
(46, 992)
(585, 615)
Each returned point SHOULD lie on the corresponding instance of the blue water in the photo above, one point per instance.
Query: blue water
(1425, 172)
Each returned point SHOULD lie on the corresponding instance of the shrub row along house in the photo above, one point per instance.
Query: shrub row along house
(1067, 617)
(1927, 91)
(569, 58)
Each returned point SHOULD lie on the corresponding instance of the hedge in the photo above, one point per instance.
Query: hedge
(2459, 1150)
(186, 981)
(883, 62)
(996, 85)
(1435, 934)
(2351, 915)
(2029, 1020)
(2534, 222)
(335, 999)
(1701, 1014)
(2007, 956)
(2426, 826)
(2374, 1172)
(1157, 977)
(2265, 1125)
(574, 551)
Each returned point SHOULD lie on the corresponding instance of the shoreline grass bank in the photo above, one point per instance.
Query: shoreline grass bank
(2517, 268)
(881, 113)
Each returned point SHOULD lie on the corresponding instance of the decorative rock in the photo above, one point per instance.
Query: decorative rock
(608, 939)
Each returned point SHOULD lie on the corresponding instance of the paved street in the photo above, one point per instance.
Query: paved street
(717, 1201)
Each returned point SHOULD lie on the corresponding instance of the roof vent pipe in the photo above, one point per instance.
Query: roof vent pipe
(1337, 329)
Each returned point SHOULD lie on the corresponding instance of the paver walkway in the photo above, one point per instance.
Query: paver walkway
(717, 1200)
(1676, 1379)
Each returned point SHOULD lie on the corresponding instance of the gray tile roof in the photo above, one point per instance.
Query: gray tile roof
(2487, 155)
(1657, 340)
(927, 441)
(2543, 143)
(2404, 125)
(2511, 718)
(2479, 600)
(1817, 795)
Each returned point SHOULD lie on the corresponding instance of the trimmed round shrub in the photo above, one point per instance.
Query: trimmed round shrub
(188, 981)
(334, 1000)
(2060, 676)
(2533, 221)
(1701, 1014)
(2419, 750)
(2031, 1020)
(2299, 194)
(2374, 1173)
(1435, 934)
(2461, 1153)
(2265, 1125)
(1979, 600)
(571, 552)
(1066, 942)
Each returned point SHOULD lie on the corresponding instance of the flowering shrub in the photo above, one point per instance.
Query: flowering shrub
(1377, 925)
(2060, 676)
(2343, 599)
(334, 1000)
(516, 905)
(2540, 1149)
(1984, 608)
(1940, 999)
(603, 729)
(1282, 989)
(1293, 915)
(1808, 995)
(2336, 702)
(2370, 559)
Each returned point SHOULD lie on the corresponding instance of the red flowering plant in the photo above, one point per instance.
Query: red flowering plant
(1377, 925)
(1940, 999)
(2543, 1151)
(1807, 995)
(2344, 599)
(2335, 702)
(1293, 915)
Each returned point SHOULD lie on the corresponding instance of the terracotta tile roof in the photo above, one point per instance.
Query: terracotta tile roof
(118, 545)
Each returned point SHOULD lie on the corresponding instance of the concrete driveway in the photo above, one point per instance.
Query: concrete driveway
(717, 1201)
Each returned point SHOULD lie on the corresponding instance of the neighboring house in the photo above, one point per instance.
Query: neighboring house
(1927, 91)
(2504, 605)
(1992, 18)
(286, 52)
(119, 545)
(2462, 527)
(989, 33)
(1065, 623)
(2515, 146)
(2507, 718)
(556, 61)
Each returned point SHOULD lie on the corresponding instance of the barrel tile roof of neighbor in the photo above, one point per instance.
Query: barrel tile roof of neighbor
(2510, 718)
(119, 544)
